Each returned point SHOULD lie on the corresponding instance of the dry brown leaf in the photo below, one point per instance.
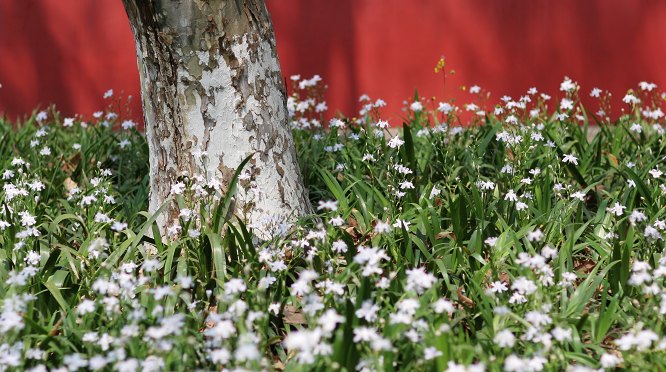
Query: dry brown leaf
(69, 184)
(69, 165)
(464, 299)
(446, 234)
(585, 266)
(292, 316)
(278, 365)
(351, 221)
(504, 277)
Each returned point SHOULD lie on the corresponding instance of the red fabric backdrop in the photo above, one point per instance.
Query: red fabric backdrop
(69, 52)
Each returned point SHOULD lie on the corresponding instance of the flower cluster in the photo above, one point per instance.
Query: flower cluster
(519, 242)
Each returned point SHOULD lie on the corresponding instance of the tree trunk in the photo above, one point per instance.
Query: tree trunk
(211, 83)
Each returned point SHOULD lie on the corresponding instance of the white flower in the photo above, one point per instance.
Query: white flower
(382, 227)
(399, 224)
(221, 356)
(41, 116)
(637, 216)
(331, 205)
(127, 365)
(178, 188)
(452, 366)
(566, 104)
(118, 226)
(561, 334)
(655, 173)
(511, 119)
(365, 334)
(651, 233)
(625, 342)
(234, 286)
(538, 319)
(329, 319)
(102, 218)
(567, 85)
(339, 246)
(443, 306)
(274, 308)
(491, 241)
(498, 287)
(336, 123)
(406, 185)
(368, 311)
(88, 200)
(630, 99)
(86, 306)
(570, 158)
(395, 142)
(596, 92)
(523, 286)
(382, 124)
(578, 195)
(222, 330)
(610, 360)
(97, 362)
(75, 361)
(445, 107)
(513, 363)
(402, 169)
(406, 309)
(430, 353)
(4, 225)
(535, 236)
(617, 209)
(368, 157)
(370, 258)
(568, 278)
(32, 258)
(416, 106)
(511, 196)
(486, 185)
(337, 221)
(504, 339)
(152, 363)
(305, 343)
(27, 219)
(321, 107)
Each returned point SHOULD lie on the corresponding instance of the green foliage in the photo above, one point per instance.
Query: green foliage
(519, 242)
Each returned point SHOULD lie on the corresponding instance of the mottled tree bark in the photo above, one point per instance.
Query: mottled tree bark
(211, 82)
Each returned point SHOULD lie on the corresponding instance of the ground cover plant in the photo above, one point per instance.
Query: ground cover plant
(515, 242)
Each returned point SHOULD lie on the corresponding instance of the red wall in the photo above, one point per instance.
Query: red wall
(70, 51)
